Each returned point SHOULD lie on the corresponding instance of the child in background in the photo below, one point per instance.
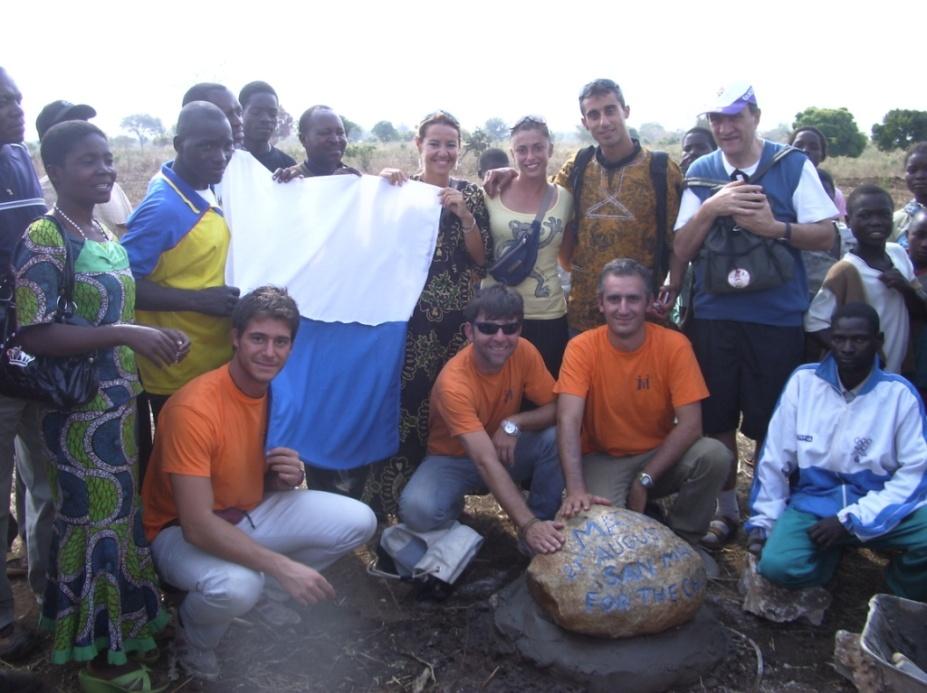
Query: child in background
(916, 364)
(915, 176)
(875, 272)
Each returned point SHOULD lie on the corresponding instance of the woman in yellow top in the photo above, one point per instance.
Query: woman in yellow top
(510, 216)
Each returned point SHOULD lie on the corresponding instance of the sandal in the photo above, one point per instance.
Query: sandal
(137, 681)
(721, 531)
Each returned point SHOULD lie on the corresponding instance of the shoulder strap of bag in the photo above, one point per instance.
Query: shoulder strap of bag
(583, 157)
(546, 203)
(776, 158)
(759, 173)
(65, 307)
(658, 167)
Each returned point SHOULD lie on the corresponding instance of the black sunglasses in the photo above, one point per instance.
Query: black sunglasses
(491, 328)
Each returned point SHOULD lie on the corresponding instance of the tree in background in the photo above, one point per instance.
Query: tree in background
(496, 129)
(352, 130)
(839, 127)
(477, 142)
(284, 123)
(651, 133)
(143, 126)
(385, 131)
(900, 128)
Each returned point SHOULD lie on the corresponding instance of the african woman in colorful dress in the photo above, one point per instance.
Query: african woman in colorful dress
(102, 603)
(435, 331)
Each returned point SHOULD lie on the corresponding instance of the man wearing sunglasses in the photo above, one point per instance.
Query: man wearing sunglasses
(480, 439)
(629, 417)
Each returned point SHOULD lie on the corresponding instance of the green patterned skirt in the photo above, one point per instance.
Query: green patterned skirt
(102, 594)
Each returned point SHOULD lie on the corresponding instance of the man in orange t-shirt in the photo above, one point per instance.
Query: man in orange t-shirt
(479, 439)
(221, 510)
(629, 418)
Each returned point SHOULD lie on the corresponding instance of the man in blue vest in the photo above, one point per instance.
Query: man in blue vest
(748, 342)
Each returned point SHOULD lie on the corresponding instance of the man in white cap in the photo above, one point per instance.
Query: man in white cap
(748, 340)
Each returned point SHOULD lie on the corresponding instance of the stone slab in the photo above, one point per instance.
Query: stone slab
(643, 664)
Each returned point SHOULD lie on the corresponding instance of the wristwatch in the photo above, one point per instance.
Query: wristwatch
(511, 428)
(646, 480)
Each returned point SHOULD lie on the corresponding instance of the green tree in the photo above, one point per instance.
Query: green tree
(900, 128)
(496, 129)
(385, 131)
(839, 127)
(477, 142)
(284, 123)
(352, 130)
(651, 133)
(143, 126)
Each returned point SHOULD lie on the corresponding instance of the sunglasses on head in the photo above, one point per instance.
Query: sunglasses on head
(491, 328)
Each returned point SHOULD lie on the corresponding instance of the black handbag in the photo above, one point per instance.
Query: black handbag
(61, 381)
(516, 263)
(734, 260)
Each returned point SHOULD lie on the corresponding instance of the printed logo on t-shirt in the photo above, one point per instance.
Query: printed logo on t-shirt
(643, 382)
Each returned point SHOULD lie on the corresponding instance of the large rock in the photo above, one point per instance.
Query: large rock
(647, 664)
(619, 574)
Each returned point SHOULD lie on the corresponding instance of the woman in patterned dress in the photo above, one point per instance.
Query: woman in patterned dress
(435, 331)
(102, 602)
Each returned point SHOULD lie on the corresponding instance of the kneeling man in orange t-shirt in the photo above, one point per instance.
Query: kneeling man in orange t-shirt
(629, 416)
(222, 511)
(480, 439)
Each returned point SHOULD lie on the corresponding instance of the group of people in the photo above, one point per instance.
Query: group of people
(587, 396)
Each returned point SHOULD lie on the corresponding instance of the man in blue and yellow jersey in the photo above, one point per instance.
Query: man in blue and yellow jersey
(177, 241)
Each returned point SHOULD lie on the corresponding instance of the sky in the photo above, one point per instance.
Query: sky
(478, 59)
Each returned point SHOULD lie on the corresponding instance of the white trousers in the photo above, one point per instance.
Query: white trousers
(312, 527)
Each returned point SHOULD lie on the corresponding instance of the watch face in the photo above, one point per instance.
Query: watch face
(510, 428)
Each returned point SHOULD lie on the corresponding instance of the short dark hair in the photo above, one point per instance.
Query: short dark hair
(810, 128)
(916, 148)
(438, 118)
(597, 87)
(266, 302)
(253, 88)
(705, 132)
(60, 139)
(867, 189)
(495, 302)
(858, 309)
(530, 122)
(201, 92)
(492, 158)
(624, 267)
(307, 116)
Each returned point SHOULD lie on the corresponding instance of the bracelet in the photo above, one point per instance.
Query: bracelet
(468, 229)
(787, 235)
(524, 528)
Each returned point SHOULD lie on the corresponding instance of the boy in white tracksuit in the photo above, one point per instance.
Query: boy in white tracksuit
(855, 435)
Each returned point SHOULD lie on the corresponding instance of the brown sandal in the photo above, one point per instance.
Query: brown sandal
(721, 531)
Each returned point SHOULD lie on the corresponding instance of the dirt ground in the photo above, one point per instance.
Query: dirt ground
(378, 637)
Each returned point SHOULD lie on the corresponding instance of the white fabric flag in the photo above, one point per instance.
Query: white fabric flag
(348, 249)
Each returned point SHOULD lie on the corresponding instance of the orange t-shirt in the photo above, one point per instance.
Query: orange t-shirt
(463, 400)
(212, 429)
(630, 396)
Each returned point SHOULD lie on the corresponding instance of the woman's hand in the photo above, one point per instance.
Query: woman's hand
(161, 346)
(452, 200)
(394, 176)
